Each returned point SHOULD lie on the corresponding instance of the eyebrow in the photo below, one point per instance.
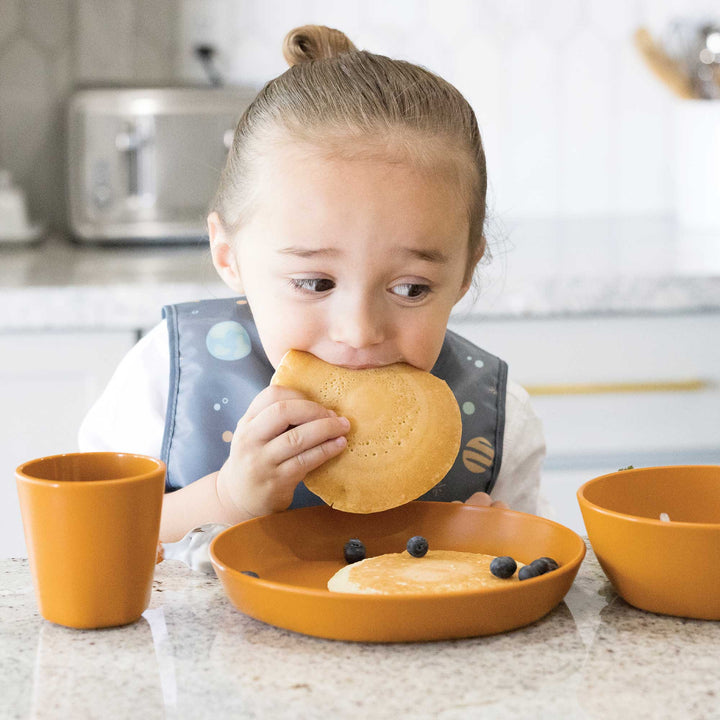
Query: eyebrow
(431, 255)
(308, 252)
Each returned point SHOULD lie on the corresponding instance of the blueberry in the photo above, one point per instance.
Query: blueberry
(528, 571)
(250, 573)
(503, 566)
(544, 564)
(417, 546)
(354, 551)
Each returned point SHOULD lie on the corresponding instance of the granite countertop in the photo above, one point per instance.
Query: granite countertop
(193, 655)
(545, 268)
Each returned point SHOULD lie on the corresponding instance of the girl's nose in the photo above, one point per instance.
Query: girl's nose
(358, 324)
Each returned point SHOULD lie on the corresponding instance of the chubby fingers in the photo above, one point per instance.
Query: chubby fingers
(276, 409)
(291, 420)
(482, 499)
(299, 464)
(293, 429)
(310, 442)
(269, 396)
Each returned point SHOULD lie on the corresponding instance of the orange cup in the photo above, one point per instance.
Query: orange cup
(92, 522)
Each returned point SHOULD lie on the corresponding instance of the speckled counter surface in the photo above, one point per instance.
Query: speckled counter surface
(194, 656)
(550, 268)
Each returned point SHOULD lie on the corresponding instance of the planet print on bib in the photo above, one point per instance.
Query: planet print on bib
(228, 340)
(478, 454)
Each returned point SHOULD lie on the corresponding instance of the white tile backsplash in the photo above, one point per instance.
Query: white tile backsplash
(106, 40)
(48, 23)
(10, 24)
(574, 124)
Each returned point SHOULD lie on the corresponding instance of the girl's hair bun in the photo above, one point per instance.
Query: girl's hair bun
(314, 42)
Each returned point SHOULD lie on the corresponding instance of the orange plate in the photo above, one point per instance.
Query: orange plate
(296, 552)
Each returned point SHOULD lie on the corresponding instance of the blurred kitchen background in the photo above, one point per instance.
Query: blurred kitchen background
(574, 123)
(604, 207)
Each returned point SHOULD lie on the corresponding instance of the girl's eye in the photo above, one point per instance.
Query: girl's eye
(412, 291)
(313, 285)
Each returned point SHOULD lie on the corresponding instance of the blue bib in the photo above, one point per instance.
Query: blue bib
(218, 366)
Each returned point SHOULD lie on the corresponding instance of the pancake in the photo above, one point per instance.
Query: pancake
(440, 571)
(404, 436)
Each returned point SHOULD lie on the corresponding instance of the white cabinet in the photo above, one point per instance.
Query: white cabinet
(613, 391)
(48, 380)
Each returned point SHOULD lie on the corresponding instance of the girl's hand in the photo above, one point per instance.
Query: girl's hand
(484, 500)
(279, 440)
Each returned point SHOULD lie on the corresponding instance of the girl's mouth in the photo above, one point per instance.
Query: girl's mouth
(362, 367)
(357, 362)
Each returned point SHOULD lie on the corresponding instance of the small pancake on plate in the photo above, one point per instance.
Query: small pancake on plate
(404, 436)
(439, 571)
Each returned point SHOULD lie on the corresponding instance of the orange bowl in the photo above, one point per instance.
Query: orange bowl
(664, 567)
(296, 552)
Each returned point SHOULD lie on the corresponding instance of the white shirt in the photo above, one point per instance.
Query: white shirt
(129, 416)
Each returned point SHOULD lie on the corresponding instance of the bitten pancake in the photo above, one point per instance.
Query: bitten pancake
(439, 571)
(404, 436)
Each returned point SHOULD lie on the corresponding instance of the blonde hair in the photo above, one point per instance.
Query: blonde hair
(351, 103)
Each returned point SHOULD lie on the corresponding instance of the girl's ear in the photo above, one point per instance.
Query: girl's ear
(463, 289)
(470, 272)
(222, 253)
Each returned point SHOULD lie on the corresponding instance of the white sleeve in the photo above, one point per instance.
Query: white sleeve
(129, 416)
(518, 482)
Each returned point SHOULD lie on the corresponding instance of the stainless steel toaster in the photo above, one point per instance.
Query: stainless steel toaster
(144, 163)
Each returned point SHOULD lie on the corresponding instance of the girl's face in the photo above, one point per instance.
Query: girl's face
(358, 262)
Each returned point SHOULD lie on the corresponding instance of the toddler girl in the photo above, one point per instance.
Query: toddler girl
(349, 221)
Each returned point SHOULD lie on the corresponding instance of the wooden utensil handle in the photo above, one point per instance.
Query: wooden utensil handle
(663, 66)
